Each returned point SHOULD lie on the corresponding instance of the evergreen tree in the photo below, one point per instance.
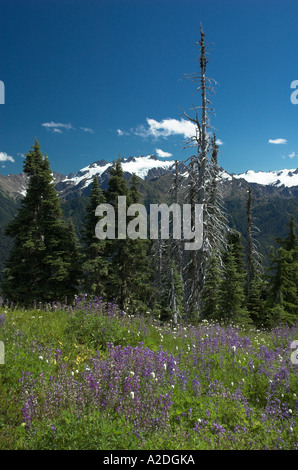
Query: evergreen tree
(43, 263)
(95, 265)
(235, 245)
(211, 295)
(129, 265)
(176, 294)
(255, 286)
(115, 252)
(168, 287)
(232, 289)
(283, 279)
(139, 263)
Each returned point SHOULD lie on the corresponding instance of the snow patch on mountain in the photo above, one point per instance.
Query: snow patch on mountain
(138, 165)
(142, 165)
(86, 174)
(288, 178)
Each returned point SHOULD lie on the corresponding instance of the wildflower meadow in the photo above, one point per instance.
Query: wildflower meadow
(92, 376)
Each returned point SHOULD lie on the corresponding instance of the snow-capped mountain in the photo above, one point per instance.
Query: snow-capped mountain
(143, 166)
(148, 167)
(287, 178)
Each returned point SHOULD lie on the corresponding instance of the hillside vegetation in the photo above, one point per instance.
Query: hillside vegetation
(95, 377)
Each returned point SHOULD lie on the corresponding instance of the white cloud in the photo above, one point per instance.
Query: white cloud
(277, 141)
(87, 129)
(166, 128)
(22, 155)
(120, 132)
(219, 142)
(57, 126)
(6, 158)
(292, 155)
(160, 153)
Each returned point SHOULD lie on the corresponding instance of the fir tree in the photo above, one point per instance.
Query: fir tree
(42, 264)
(140, 266)
(176, 294)
(129, 266)
(283, 279)
(255, 286)
(115, 252)
(95, 265)
(211, 295)
(232, 289)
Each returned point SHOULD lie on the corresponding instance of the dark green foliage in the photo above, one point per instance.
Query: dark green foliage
(95, 265)
(256, 301)
(8, 209)
(75, 209)
(211, 295)
(283, 276)
(255, 286)
(232, 290)
(43, 263)
(129, 264)
(169, 299)
(270, 213)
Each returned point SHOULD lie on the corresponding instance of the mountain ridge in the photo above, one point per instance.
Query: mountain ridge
(272, 203)
(146, 167)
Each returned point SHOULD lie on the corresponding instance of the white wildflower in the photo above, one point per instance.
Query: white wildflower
(132, 395)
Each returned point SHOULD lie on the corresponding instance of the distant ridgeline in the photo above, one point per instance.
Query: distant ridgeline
(272, 204)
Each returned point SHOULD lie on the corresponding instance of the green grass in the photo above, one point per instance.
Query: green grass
(218, 397)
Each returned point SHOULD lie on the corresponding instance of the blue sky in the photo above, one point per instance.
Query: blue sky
(92, 79)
